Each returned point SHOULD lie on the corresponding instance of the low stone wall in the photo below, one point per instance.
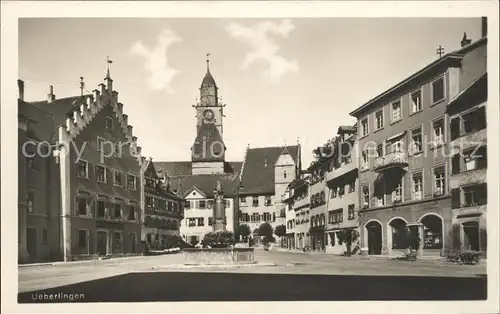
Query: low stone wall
(218, 256)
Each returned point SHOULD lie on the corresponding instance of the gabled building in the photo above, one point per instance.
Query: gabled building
(297, 215)
(265, 175)
(404, 169)
(163, 209)
(93, 178)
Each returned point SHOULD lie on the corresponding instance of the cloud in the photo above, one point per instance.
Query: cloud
(157, 64)
(264, 48)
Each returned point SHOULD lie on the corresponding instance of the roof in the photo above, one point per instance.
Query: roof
(208, 80)
(184, 168)
(258, 172)
(206, 183)
(208, 145)
(347, 129)
(40, 122)
(60, 109)
(456, 55)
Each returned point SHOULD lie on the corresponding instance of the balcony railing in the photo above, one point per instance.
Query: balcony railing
(391, 160)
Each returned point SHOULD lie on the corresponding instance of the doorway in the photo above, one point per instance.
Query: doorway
(471, 235)
(374, 230)
(31, 243)
(102, 243)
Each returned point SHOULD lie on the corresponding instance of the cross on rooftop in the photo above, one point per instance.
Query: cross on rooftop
(440, 51)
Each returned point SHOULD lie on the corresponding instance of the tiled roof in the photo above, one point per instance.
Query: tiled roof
(207, 183)
(184, 168)
(347, 129)
(258, 173)
(40, 122)
(60, 109)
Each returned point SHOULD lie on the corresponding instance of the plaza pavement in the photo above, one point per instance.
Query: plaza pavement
(40, 277)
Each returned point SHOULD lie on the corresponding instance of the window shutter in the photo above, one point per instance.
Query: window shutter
(90, 168)
(455, 198)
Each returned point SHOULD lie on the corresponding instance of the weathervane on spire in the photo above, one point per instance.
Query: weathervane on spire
(108, 62)
(208, 61)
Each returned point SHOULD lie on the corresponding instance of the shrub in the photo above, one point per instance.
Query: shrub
(347, 236)
(469, 257)
(219, 239)
(266, 230)
(242, 231)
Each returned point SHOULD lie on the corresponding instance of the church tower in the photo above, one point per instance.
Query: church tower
(207, 153)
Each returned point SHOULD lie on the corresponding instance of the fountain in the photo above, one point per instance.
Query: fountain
(219, 255)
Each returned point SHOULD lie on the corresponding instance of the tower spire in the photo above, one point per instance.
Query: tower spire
(108, 62)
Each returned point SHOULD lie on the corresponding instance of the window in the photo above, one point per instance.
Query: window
(379, 119)
(397, 146)
(474, 121)
(82, 239)
(380, 150)
(100, 173)
(243, 200)
(210, 204)
(366, 196)
(228, 203)
(416, 140)
(416, 101)
(187, 204)
(475, 160)
(266, 217)
(192, 222)
(437, 87)
(201, 222)
(397, 194)
(380, 200)
(118, 150)
(284, 174)
(45, 238)
(396, 111)
(83, 206)
(131, 182)
(100, 144)
(438, 132)
(417, 186)
(255, 201)
(101, 209)
(352, 186)
(475, 194)
(117, 177)
(83, 169)
(333, 192)
(255, 217)
(118, 211)
(267, 201)
(439, 181)
(109, 123)
(31, 202)
(364, 160)
(364, 126)
(202, 204)
(350, 212)
(210, 221)
(131, 213)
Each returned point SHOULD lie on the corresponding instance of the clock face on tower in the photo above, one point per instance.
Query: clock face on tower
(208, 116)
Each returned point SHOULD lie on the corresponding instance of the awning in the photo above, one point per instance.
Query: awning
(396, 136)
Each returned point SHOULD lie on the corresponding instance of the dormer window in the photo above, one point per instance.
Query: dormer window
(284, 174)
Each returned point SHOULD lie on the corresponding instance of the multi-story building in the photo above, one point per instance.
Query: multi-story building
(343, 186)
(265, 175)
(318, 193)
(38, 225)
(198, 178)
(404, 171)
(163, 209)
(468, 186)
(297, 213)
(93, 186)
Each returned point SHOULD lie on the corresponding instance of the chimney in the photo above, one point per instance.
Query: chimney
(465, 41)
(484, 26)
(20, 85)
(51, 97)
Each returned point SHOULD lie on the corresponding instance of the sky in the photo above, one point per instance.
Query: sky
(282, 80)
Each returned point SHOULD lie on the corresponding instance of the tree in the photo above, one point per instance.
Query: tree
(242, 231)
(266, 232)
(219, 239)
(280, 231)
(347, 236)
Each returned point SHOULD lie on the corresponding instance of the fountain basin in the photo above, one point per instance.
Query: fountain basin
(216, 256)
